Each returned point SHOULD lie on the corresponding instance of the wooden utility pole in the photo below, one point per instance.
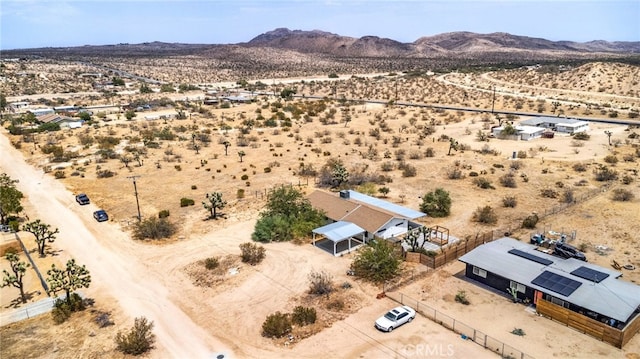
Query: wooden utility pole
(135, 190)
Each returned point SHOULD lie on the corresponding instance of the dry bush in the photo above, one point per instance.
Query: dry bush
(485, 215)
(277, 325)
(509, 201)
(455, 173)
(549, 193)
(303, 315)
(139, 340)
(154, 228)
(320, 283)
(252, 253)
(530, 221)
(483, 183)
(516, 165)
(611, 159)
(622, 195)
(568, 196)
(508, 180)
(604, 173)
(579, 167)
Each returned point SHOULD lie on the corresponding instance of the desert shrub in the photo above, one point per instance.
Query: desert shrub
(105, 173)
(568, 196)
(522, 154)
(267, 170)
(211, 263)
(508, 180)
(604, 173)
(579, 167)
(320, 283)
(303, 315)
(455, 173)
(429, 152)
(138, 340)
(408, 170)
(530, 221)
(611, 159)
(473, 174)
(549, 193)
(436, 203)
(335, 305)
(461, 297)
(483, 183)
(518, 332)
(103, 319)
(498, 165)
(154, 228)
(59, 174)
(627, 179)
(277, 325)
(244, 177)
(509, 201)
(252, 253)
(516, 165)
(583, 136)
(240, 193)
(388, 166)
(622, 195)
(62, 308)
(485, 215)
(163, 214)
(184, 202)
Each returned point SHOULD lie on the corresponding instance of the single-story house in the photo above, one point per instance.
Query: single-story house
(581, 287)
(18, 106)
(524, 133)
(559, 124)
(372, 217)
(63, 121)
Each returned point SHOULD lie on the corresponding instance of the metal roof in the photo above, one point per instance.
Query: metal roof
(386, 206)
(554, 120)
(612, 297)
(338, 231)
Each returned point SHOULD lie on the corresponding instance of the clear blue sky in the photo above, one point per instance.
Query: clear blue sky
(42, 23)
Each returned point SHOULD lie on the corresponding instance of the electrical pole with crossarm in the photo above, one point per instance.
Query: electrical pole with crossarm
(135, 190)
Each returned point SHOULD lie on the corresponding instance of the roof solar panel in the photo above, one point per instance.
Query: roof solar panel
(531, 257)
(556, 283)
(590, 274)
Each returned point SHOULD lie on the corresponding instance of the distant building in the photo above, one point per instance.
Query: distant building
(524, 133)
(558, 124)
(18, 106)
(41, 111)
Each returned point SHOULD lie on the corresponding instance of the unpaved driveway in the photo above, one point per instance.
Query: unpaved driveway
(117, 264)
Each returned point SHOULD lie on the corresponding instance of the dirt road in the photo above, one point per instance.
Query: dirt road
(118, 269)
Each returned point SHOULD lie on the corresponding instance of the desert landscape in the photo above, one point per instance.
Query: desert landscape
(248, 128)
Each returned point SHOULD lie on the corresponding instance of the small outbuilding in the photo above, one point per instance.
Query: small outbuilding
(339, 237)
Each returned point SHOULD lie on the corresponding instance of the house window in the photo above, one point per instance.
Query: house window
(556, 301)
(479, 272)
(516, 286)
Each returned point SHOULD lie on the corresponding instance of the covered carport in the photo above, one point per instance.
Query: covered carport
(339, 237)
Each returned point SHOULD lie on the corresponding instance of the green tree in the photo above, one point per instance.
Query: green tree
(144, 88)
(226, 145)
(377, 262)
(214, 203)
(14, 279)
(384, 191)
(287, 93)
(3, 103)
(117, 81)
(339, 175)
(42, 233)
(167, 88)
(436, 203)
(288, 214)
(508, 130)
(130, 114)
(241, 154)
(85, 116)
(69, 279)
(10, 198)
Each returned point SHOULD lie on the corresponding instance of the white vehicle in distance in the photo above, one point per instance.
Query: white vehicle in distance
(395, 318)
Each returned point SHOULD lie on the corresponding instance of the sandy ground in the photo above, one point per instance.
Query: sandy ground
(140, 278)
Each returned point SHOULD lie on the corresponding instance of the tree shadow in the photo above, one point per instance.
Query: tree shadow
(52, 252)
(17, 302)
(218, 216)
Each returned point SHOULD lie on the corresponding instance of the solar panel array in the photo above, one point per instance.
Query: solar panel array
(531, 257)
(556, 283)
(590, 274)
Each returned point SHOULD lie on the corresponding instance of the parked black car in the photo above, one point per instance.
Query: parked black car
(82, 199)
(101, 215)
(568, 251)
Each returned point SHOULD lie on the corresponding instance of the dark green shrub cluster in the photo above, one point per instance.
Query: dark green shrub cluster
(530, 222)
(461, 297)
(483, 183)
(604, 173)
(184, 202)
(154, 228)
(62, 308)
(581, 136)
(277, 325)
(252, 253)
(138, 340)
(303, 315)
(163, 214)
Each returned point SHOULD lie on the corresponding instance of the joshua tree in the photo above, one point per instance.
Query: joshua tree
(68, 279)
(42, 233)
(15, 279)
(608, 133)
(226, 145)
(241, 154)
(453, 145)
(214, 203)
